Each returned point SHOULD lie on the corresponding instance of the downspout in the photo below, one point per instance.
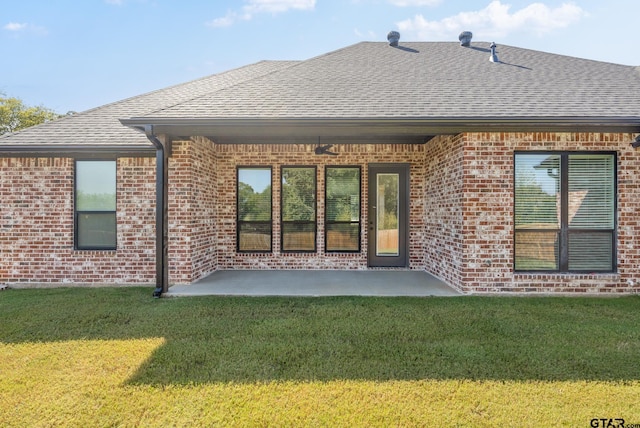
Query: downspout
(162, 213)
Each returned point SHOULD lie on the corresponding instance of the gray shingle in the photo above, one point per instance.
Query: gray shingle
(370, 80)
(101, 126)
(427, 80)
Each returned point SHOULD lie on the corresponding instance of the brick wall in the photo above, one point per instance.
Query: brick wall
(444, 256)
(488, 228)
(192, 211)
(36, 225)
(461, 213)
(276, 155)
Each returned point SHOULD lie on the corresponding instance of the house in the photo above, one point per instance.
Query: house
(496, 169)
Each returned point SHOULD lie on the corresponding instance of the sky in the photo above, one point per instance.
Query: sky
(73, 55)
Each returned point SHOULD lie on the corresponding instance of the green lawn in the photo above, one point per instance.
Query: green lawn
(117, 357)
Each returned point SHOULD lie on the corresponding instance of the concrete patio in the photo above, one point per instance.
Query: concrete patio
(315, 283)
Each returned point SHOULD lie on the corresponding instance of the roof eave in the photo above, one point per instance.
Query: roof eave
(75, 150)
(231, 129)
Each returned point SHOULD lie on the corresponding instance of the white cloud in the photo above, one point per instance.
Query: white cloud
(261, 6)
(15, 26)
(277, 6)
(228, 20)
(416, 3)
(20, 28)
(495, 21)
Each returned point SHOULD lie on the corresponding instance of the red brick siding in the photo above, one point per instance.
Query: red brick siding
(443, 209)
(461, 213)
(488, 213)
(36, 226)
(276, 155)
(192, 211)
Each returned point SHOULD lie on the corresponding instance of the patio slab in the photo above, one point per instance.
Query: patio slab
(315, 283)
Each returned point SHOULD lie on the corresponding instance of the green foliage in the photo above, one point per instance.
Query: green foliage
(14, 115)
(343, 190)
(298, 194)
(96, 201)
(253, 206)
(388, 187)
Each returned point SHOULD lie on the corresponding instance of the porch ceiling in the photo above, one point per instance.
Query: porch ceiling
(412, 130)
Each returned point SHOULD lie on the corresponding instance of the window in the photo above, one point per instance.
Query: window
(298, 209)
(565, 207)
(95, 205)
(342, 209)
(254, 209)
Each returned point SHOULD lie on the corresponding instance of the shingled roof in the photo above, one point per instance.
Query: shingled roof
(101, 126)
(427, 80)
(414, 90)
(371, 88)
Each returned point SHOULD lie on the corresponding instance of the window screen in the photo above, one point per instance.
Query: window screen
(565, 212)
(342, 209)
(254, 226)
(95, 205)
(298, 209)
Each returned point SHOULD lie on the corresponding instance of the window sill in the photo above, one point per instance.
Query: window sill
(573, 275)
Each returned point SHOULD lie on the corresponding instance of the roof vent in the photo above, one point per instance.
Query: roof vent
(393, 37)
(493, 57)
(465, 38)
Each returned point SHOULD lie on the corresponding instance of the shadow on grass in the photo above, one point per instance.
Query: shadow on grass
(218, 339)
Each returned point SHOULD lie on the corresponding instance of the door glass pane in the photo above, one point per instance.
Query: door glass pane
(387, 231)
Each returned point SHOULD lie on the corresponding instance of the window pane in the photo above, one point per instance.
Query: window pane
(254, 237)
(254, 194)
(591, 251)
(387, 227)
(537, 191)
(591, 191)
(298, 194)
(298, 236)
(536, 250)
(97, 231)
(343, 194)
(343, 236)
(96, 186)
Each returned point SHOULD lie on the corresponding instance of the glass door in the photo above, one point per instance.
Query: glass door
(388, 215)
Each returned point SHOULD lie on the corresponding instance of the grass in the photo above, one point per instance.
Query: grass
(116, 357)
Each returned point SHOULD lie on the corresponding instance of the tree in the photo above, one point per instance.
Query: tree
(15, 115)
(298, 194)
(254, 206)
